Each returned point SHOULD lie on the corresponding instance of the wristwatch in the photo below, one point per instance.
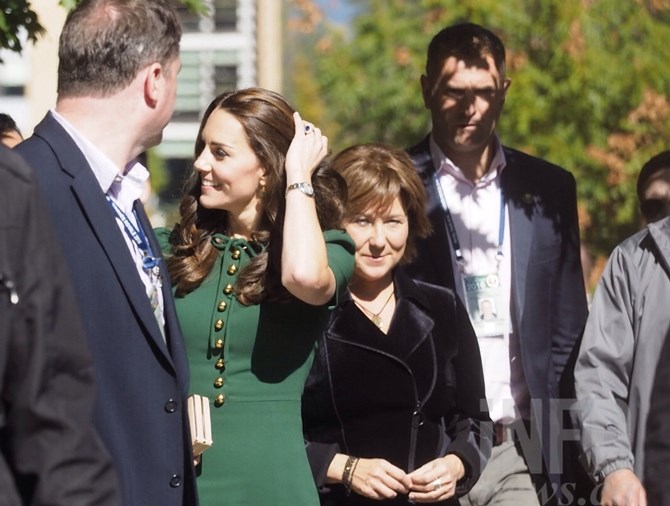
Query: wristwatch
(304, 187)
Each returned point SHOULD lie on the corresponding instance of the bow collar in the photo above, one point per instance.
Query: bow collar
(222, 242)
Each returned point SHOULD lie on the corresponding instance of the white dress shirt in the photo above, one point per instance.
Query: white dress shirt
(124, 188)
(475, 209)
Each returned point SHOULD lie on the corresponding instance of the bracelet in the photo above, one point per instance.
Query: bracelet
(348, 473)
(351, 476)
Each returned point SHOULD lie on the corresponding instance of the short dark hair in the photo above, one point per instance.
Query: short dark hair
(655, 164)
(105, 43)
(7, 124)
(468, 41)
(653, 209)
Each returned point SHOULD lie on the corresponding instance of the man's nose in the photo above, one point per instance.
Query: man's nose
(468, 102)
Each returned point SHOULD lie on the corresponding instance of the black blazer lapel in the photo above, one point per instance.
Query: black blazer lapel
(95, 207)
(100, 216)
(437, 244)
(411, 324)
(172, 329)
(521, 202)
(410, 327)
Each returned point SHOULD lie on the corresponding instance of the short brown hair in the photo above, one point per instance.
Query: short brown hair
(375, 175)
(105, 43)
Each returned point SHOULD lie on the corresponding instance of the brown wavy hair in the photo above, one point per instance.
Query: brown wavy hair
(375, 175)
(268, 124)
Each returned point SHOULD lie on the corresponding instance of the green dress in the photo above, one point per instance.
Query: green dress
(252, 363)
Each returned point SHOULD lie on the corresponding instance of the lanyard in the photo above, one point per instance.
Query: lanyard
(451, 229)
(137, 235)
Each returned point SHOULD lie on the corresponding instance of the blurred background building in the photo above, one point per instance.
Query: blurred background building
(588, 91)
(238, 44)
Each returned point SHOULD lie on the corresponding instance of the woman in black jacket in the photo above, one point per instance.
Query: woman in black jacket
(394, 406)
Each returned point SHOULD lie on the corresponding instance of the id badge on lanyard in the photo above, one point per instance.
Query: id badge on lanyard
(483, 294)
(485, 304)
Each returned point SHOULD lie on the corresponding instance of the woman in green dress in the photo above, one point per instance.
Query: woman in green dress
(256, 263)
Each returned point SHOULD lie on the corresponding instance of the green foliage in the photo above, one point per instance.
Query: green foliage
(195, 6)
(15, 14)
(589, 87)
(160, 177)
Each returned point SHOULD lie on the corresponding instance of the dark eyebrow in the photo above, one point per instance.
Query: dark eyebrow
(219, 144)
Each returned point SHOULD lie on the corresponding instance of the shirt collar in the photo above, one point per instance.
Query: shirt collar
(445, 165)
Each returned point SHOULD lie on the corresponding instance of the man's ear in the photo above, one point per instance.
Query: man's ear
(153, 83)
(506, 84)
(426, 90)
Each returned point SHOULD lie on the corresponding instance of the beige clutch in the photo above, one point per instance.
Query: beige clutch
(200, 422)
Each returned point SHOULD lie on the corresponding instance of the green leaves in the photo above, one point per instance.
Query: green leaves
(17, 17)
(14, 15)
(589, 87)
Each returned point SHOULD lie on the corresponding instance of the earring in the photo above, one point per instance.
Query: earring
(261, 190)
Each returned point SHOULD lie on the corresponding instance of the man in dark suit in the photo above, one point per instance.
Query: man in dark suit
(117, 76)
(49, 450)
(505, 229)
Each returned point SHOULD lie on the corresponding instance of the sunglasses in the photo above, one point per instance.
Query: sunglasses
(655, 209)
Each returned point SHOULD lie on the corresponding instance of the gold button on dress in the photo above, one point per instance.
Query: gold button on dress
(265, 355)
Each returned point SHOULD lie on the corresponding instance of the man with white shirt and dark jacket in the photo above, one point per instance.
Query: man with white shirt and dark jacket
(117, 78)
(505, 231)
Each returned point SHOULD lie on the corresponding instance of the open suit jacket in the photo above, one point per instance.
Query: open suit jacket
(548, 300)
(141, 381)
(408, 396)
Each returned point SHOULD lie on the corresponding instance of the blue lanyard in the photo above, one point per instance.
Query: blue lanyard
(137, 235)
(451, 229)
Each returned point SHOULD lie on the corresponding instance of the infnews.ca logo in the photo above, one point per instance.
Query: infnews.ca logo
(567, 495)
(548, 454)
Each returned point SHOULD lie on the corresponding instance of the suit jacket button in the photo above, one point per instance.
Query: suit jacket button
(218, 344)
(221, 306)
(175, 481)
(171, 406)
(220, 365)
(218, 325)
(219, 400)
(228, 289)
(218, 382)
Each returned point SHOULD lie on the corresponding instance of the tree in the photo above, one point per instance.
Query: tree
(588, 90)
(17, 16)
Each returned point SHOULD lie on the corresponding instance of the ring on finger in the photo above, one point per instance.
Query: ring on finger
(309, 129)
(437, 483)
